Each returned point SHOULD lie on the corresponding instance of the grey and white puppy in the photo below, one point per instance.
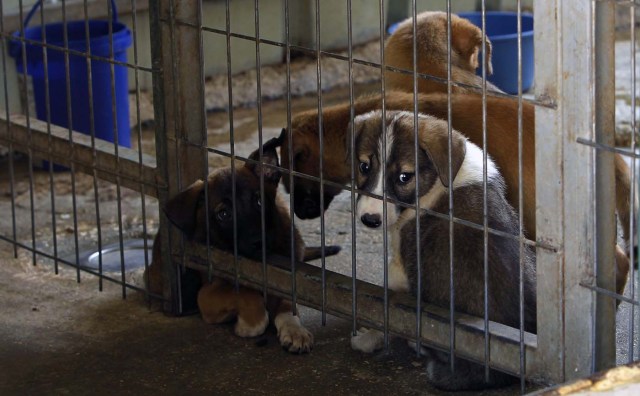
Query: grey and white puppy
(432, 172)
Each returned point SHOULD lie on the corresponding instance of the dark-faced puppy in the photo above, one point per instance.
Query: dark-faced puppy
(431, 42)
(434, 183)
(218, 301)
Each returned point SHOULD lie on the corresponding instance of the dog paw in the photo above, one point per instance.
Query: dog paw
(293, 336)
(367, 341)
(244, 329)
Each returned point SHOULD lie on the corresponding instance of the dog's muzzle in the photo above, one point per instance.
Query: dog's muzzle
(371, 220)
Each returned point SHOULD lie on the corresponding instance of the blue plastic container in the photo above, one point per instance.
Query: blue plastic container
(502, 29)
(99, 44)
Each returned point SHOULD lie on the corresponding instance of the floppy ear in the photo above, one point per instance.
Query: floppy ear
(181, 210)
(269, 157)
(434, 140)
(466, 39)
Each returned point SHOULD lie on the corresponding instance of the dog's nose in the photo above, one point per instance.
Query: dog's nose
(371, 220)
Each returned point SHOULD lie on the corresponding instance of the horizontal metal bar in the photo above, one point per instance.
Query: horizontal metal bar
(84, 269)
(622, 151)
(504, 340)
(74, 9)
(33, 135)
(609, 293)
(70, 51)
(314, 52)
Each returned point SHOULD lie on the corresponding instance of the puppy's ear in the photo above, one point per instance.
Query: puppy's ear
(181, 210)
(434, 140)
(269, 157)
(466, 39)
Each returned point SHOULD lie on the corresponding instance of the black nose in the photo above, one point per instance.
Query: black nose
(371, 220)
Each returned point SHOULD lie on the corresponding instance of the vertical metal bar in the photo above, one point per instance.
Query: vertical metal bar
(520, 206)
(321, 159)
(232, 144)
(632, 198)
(178, 147)
(261, 158)
(65, 34)
(354, 292)
(452, 331)
(134, 27)
(92, 132)
(47, 100)
(292, 228)
(385, 241)
(605, 183)
(29, 152)
(416, 166)
(10, 134)
(485, 220)
(114, 118)
(164, 118)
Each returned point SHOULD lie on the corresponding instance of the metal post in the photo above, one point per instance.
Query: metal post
(605, 352)
(564, 187)
(176, 44)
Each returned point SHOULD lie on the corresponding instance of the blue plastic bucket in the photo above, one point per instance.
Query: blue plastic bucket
(99, 44)
(502, 30)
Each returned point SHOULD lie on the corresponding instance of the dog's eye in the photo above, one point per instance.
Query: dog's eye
(223, 214)
(405, 177)
(364, 168)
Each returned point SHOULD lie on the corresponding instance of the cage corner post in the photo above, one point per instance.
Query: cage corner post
(176, 46)
(566, 188)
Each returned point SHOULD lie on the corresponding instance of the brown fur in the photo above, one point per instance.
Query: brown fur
(431, 49)
(502, 143)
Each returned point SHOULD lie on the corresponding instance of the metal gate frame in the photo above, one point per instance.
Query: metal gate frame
(562, 349)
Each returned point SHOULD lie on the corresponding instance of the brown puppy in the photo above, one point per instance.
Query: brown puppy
(218, 301)
(502, 143)
(431, 47)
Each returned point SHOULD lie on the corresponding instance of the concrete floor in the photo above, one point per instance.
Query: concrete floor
(61, 337)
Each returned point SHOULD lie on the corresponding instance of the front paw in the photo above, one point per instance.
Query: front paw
(293, 336)
(367, 341)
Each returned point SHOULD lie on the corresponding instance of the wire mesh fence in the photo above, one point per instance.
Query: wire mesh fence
(474, 204)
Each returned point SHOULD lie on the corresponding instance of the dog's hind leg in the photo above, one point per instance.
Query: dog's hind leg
(220, 303)
(293, 336)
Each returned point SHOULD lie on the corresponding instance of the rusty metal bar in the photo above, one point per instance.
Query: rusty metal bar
(177, 90)
(62, 151)
(605, 340)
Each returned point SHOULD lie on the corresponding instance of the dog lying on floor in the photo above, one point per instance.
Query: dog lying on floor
(466, 116)
(432, 173)
(217, 301)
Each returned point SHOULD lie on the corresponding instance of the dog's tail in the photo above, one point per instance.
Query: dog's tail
(315, 252)
(624, 207)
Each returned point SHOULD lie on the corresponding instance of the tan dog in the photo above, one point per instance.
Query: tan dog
(218, 302)
(502, 143)
(431, 49)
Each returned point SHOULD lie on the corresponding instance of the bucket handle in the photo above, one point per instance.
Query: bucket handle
(114, 12)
